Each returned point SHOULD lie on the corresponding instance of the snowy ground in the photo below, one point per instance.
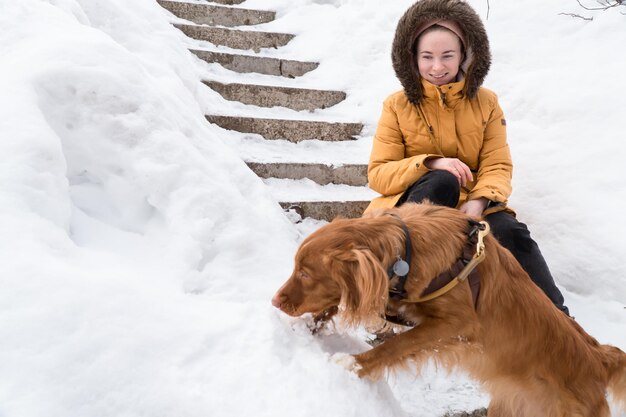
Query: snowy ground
(139, 254)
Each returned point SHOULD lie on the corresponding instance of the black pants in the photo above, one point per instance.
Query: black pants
(442, 188)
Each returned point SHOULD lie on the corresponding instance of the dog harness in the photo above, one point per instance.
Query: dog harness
(464, 268)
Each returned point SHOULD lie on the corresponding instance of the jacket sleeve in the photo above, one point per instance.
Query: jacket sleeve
(495, 168)
(388, 171)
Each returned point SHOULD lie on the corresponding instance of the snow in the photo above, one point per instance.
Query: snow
(139, 253)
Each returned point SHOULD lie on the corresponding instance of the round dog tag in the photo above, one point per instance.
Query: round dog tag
(401, 268)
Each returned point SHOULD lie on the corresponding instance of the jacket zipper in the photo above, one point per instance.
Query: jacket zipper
(442, 98)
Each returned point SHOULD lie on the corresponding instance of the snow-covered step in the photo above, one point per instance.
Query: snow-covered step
(228, 2)
(236, 39)
(348, 174)
(326, 210)
(208, 14)
(274, 96)
(262, 65)
(291, 130)
(480, 412)
(322, 202)
(254, 148)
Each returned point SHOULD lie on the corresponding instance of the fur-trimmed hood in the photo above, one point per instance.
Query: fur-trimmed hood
(477, 44)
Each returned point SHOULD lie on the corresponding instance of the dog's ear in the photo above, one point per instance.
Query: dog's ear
(363, 282)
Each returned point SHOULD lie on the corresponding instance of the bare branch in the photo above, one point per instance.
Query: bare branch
(488, 9)
(577, 15)
(608, 5)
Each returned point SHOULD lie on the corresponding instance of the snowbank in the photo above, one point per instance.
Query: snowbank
(139, 254)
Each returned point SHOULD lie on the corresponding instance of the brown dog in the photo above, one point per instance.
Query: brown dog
(531, 358)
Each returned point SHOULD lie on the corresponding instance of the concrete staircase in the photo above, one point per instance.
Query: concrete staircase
(217, 25)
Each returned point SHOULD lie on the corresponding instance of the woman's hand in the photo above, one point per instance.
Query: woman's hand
(474, 208)
(454, 166)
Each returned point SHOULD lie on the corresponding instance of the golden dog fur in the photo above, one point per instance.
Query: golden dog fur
(531, 358)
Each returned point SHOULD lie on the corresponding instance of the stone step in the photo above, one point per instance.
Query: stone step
(207, 14)
(272, 96)
(291, 130)
(228, 2)
(326, 210)
(258, 64)
(349, 174)
(236, 39)
(479, 412)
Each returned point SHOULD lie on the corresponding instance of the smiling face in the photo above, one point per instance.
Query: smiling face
(439, 55)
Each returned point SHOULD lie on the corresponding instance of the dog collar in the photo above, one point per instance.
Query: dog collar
(463, 268)
(401, 267)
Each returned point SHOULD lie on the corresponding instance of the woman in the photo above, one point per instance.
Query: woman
(443, 137)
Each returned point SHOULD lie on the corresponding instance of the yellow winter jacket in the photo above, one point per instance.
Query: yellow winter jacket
(472, 130)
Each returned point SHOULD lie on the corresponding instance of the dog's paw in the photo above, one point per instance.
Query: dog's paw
(347, 361)
(319, 323)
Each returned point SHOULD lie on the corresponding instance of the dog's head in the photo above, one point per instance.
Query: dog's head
(337, 266)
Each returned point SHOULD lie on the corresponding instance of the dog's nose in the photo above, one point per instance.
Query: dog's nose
(277, 300)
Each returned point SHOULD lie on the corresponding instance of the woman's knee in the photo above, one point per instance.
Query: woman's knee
(443, 179)
(439, 187)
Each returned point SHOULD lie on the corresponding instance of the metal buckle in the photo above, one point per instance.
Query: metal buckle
(482, 232)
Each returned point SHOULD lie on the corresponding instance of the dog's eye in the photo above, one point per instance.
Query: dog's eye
(304, 276)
